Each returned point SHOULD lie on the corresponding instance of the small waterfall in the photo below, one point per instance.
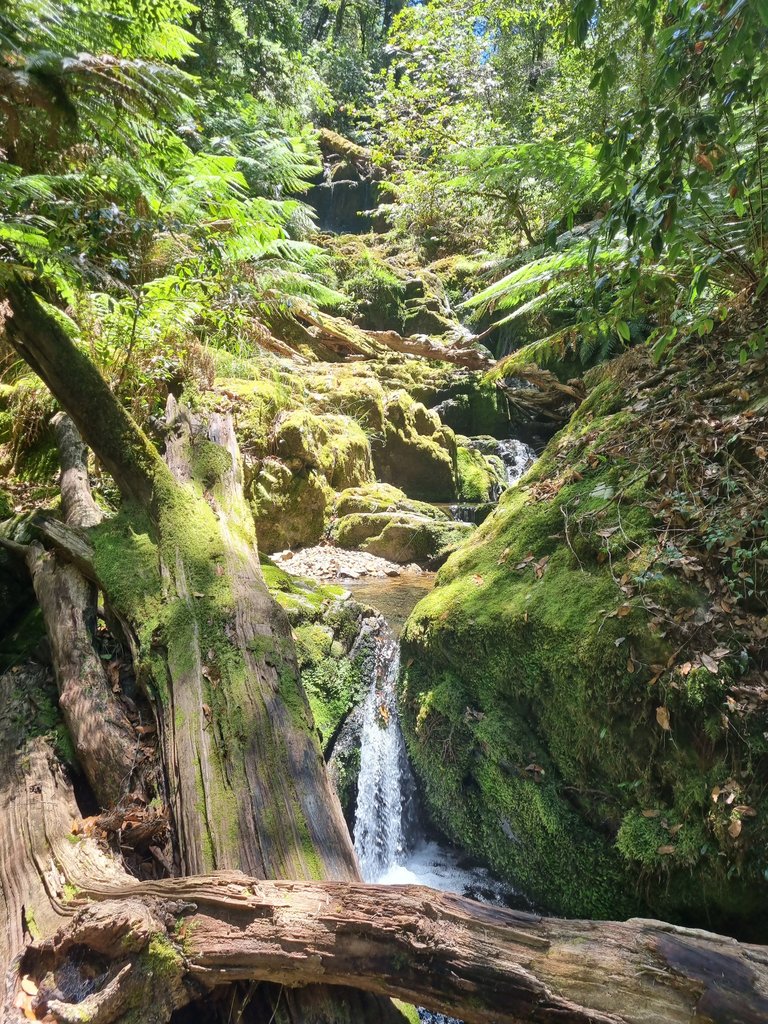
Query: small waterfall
(517, 457)
(473, 512)
(386, 788)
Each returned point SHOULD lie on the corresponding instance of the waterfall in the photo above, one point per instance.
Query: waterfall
(391, 844)
(517, 457)
(386, 788)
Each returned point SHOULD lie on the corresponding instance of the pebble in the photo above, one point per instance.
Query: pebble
(325, 562)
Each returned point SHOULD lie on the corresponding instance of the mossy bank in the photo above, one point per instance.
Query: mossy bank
(581, 697)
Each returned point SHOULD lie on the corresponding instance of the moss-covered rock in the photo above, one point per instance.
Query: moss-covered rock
(326, 628)
(336, 446)
(481, 477)
(289, 508)
(291, 492)
(417, 452)
(400, 536)
(470, 405)
(558, 730)
(380, 497)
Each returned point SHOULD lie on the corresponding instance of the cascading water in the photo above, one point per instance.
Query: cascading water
(391, 840)
(391, 845)
(385, 787)
(517, 457)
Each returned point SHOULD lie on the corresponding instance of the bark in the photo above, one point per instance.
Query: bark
(485, 964)
(466, 354)
(343, 338)
(38, 857)
(76, 499)
(547, 398)
(107, 745)
(273, 780)
(106, 742)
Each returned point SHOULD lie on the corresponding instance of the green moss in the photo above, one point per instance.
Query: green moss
(209, 461)
(417, 452)
(380, 497)
(400, 536)
(290, 508)
(529, 697)
(410, 1013)
(478, 477)
(6, 504)
(31, 923)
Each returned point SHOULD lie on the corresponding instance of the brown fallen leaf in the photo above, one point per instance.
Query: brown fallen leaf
(630, 666)
(624, 610)
(734, 829)
(662, 717)
(715, 794)
(666, 849)
(650, 813)
(745, 811)
(709, 664)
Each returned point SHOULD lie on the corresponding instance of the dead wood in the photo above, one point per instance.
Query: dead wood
(463, 353)
(484, 964)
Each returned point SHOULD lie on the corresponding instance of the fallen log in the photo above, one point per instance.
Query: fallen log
(482, 963)
(463, 353)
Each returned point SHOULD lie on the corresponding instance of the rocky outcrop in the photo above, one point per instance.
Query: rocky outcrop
(380, 520)
(293, 489)
(346, 193)
(417, 453)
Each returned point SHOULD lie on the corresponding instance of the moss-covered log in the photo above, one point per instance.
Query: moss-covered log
(179, 570)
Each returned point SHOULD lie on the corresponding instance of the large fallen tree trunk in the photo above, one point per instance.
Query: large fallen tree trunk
(482, 963)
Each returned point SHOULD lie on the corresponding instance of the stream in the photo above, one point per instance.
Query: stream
(394, 842)
(393, 837)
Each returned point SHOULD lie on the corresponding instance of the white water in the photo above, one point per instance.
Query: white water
(517, 457)
(385, 787)
(391, 842)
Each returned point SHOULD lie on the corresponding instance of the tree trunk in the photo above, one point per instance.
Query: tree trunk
(485, 964)
(245, 778)
(466, 355)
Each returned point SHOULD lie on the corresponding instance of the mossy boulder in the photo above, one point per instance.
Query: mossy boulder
(335, 446)
(353, 391)
(402, 537)
(417, 453)
(326, 626)
(380, 497)
(557, 730)
(381, 520)
(289, 507)
(291, 493)
(481, 478)
(471, 405)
